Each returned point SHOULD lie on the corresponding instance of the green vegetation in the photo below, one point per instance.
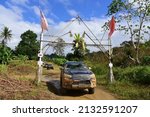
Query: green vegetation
(146, 60)
(5, 54)
(136, 75)
(135, 18)
(3, 68)
(79, 47)
(59, 61)
(131, 60)
(131, 82)
(28, 46)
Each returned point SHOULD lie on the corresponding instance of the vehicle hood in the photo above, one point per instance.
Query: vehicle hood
(80, 74)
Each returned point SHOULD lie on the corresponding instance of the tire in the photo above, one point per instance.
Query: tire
(91, 91)
(63, 91)
(60, 82)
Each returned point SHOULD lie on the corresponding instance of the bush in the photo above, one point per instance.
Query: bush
(59, 61)
(100, 70)
(72, 57)
(5, 55)
(146, 60)
(143, 76)
(138, 75)
(46, 58)
(21, 58)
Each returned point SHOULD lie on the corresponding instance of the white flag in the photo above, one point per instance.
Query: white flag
(44, 24)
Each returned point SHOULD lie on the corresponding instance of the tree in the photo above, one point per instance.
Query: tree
(59, 47)
(135, 13)
(79, 46)
(28, 45)
(6, 35)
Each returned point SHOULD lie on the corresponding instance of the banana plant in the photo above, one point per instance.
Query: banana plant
(5, 55)
(79, 46)
(79, 42)
(77, 38)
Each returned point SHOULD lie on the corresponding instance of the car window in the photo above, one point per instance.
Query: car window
(75, 66)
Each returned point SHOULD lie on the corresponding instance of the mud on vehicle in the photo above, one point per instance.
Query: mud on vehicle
(76, 75)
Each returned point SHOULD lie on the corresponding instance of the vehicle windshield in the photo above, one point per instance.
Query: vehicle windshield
(76, 66)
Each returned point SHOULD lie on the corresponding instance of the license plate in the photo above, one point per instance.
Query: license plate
(84, 85)
(75, 85)
(80, 85)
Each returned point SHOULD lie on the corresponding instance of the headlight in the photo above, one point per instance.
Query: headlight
(67, 76)
(92, 76)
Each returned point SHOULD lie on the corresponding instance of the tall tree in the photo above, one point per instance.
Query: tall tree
(6, 35)
(28, 45)
(59, 47)
(134, 14)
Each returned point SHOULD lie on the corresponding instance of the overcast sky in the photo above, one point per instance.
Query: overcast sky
(22, 15)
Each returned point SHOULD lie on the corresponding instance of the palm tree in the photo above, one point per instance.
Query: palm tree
(5, 35)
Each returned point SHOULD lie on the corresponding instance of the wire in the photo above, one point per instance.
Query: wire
(96, 44)
(101, 46)
(103, 35)
(65, 27)
(63, 30)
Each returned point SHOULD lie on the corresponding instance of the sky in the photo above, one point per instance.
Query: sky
(22, 15)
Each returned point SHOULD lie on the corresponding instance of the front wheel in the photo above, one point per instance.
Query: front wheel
(91, 91)
(63, 91)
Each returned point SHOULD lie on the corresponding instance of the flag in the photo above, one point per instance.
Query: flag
(111, 26)
(44, 24)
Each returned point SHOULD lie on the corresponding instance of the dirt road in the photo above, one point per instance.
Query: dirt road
(53, 84)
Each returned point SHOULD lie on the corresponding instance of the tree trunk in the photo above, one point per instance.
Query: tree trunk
(137, 56)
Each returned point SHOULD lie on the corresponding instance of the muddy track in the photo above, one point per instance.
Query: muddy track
(53, 84)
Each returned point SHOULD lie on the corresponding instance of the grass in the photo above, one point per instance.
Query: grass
(131, 82)
(3, 68)
(130, 91)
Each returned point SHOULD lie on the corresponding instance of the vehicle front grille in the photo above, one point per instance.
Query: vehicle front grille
(85, 82)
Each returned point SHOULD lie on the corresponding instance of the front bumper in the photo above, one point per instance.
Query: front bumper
(79, 84)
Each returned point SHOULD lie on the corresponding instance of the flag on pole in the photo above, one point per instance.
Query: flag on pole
(111, 26)
(44, 24)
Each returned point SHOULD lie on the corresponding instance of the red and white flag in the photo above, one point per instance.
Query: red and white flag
(44, 24)
(111, 26)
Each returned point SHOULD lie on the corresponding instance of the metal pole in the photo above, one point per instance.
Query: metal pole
(40, 62)
(111, 75)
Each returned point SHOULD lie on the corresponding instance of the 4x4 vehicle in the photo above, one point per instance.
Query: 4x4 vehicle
(75, 75)
(48, 66)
